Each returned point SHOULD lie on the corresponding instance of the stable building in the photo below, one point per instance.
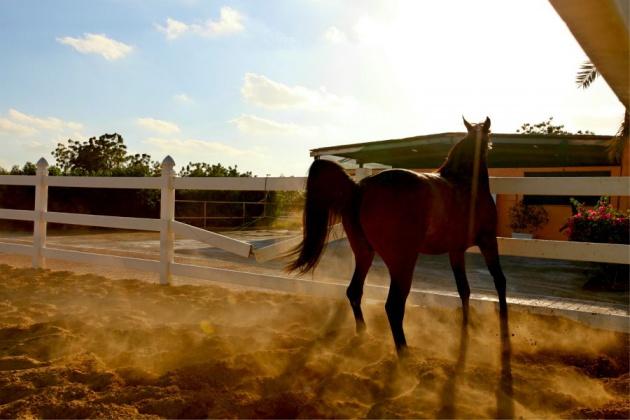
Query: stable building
(512, 155)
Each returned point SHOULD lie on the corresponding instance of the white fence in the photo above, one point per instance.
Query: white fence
(168, 227)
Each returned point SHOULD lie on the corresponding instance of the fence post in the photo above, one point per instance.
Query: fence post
(167, 215)
(41, 206)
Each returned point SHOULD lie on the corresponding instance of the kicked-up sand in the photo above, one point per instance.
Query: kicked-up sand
(87, 346)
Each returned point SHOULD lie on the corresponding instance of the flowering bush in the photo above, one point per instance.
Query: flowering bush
(602, 223)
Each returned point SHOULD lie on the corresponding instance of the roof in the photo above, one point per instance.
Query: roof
(508, 151)
(601, 29)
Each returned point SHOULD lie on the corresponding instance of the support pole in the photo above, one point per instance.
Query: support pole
(41, 206)
(167, 215)
(361, 173)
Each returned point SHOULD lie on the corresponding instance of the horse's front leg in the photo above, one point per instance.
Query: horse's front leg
(490, 251)
(458, 264)
(363, 261)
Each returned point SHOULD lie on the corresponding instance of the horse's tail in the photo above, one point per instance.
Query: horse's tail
(330, 193)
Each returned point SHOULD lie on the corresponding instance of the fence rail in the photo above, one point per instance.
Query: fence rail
(616, 186)
(105, 182)
(134, 223)
(18, 180)
(168, 227)
(27, 215)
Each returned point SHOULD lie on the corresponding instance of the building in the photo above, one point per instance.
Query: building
(517, 155)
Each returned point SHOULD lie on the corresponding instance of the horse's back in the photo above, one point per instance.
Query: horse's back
(395, 178)
(403, 209)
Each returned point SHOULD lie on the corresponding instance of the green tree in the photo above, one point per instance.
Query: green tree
(202, 169)
(29, 168)
(138, 165)
(547, 127)
(105, 155)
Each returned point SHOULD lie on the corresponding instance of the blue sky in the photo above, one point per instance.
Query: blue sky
(259, 83)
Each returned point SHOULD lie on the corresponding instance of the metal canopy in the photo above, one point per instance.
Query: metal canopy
(508, 151)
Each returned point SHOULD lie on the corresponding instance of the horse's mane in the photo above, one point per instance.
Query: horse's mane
(459, 162)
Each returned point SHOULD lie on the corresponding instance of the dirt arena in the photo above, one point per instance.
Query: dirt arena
(86, 346)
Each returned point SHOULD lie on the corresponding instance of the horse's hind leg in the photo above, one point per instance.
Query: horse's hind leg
(490, 251)
(459, 271)
(363, 260)
(363, 257)
(401, 272)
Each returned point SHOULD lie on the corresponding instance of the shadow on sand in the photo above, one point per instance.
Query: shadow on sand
(504, 393)
(449, 391)
(327, 335)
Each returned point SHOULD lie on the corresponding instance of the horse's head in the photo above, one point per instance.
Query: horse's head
(479, 131)
(473, 148)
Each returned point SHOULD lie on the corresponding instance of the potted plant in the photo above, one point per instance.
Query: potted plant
(525, 219)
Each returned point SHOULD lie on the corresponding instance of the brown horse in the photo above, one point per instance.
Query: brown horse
(398, 214)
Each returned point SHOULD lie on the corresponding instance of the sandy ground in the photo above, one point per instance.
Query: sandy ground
(87, 346)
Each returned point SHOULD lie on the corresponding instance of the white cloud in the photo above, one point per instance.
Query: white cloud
(99, 44)
(252, 124)
(11, 127)
(47, 123)
(262, 91)
(230, 22)
(158, 126)
(28, 137)
(200, 150)
(23, 124)
(182, 98)
(335, 36)
(173, 29)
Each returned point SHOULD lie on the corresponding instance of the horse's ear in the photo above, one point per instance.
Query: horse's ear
(486, 125)
(469, 127)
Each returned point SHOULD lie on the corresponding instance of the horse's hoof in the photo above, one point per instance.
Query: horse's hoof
(361, 328)
(402, 352)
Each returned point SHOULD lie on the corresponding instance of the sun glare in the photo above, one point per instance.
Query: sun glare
(513, 60)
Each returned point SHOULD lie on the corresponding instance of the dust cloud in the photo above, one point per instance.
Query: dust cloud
(86, 346)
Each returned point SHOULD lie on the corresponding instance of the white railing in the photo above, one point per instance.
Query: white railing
(168, 227)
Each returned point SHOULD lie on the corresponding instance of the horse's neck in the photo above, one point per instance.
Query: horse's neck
(461, 171)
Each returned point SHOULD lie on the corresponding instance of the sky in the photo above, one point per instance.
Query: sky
(259, 83)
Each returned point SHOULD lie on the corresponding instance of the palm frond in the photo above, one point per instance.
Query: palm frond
(620, 140)
(586, 75)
